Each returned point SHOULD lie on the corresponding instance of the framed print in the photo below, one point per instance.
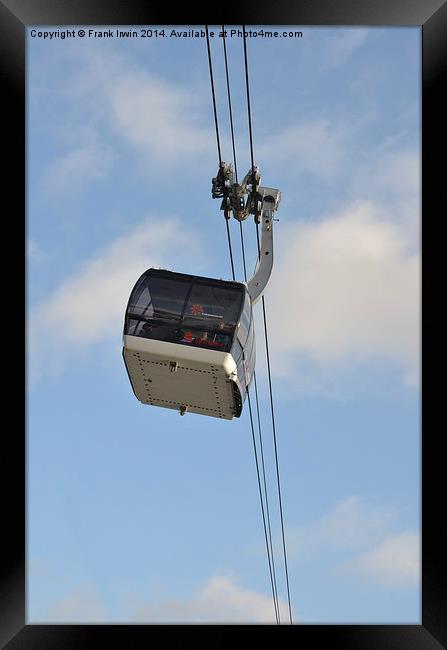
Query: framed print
(302, 486)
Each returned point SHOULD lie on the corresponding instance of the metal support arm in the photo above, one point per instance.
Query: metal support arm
(257, 284)
(261, 202)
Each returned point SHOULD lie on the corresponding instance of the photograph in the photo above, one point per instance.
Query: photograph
(223, 269)
(229, 241)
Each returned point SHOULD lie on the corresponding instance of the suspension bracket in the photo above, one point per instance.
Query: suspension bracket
(270, 199)
(238, 199)
(244, 199)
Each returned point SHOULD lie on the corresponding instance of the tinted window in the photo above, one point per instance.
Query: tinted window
(158, 297)
(186, 311)
(250, 341)
(240, 373)
(135, 326)
(155, 308)
(250, 364)
(168, 297)
(236, 351)
(245, 321)
(213, 307)
(143, 305)
(245, 368)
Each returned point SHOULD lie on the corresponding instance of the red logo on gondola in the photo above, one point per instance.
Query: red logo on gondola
(196, 309)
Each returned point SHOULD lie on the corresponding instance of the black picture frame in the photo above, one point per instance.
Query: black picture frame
(431, 16)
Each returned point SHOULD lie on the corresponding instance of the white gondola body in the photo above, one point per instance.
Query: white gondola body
(178, 377)
(208, 376)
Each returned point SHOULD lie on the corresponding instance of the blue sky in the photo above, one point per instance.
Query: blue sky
(136, 514)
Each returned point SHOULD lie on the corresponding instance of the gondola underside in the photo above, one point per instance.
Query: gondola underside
(187, 379)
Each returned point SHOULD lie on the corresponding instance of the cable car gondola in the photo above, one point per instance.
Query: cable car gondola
(189, 343)
(188, 340)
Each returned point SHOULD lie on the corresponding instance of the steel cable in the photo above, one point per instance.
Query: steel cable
(270, 560)
(271, 553)
(216, 124)
(267, 345)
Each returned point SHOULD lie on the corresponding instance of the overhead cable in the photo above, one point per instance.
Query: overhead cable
(269, 549)
(218, 140)
(267, 346)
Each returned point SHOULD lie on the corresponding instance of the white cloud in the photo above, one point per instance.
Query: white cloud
(395, 562)
(88, 306)
(219, 600)
(161, 119)
(73, 171)
(352, 524)
(82, 605)
(345, 288)
(392, 178)
(313, 146)
(365, 533)
(111, 101)
(398, 171)
(341, 44)
(34, 252)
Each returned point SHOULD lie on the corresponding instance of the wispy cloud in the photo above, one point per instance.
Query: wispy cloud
(392, 179)
(360, 540)
(351, 525)
(114, 107)
(219, 600)
(77, 168)
(88, 306)
(341, 45)
(313, 146)
(350, 282)
(34, 252)
(82, 605)
(162, 120)
(395, 562)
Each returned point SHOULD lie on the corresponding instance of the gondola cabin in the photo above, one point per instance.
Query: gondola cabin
(189, 343)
